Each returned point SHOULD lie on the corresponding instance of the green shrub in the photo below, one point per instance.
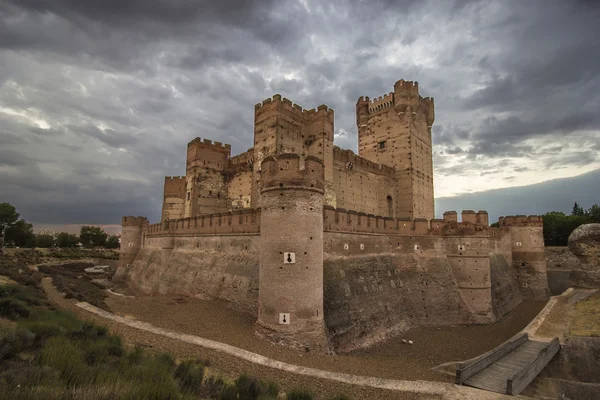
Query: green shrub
(164, 358)
(21, 293)
(189, 374)
(13, 309)
(136, 355)
(68, 359)
(42, 330)
(299, 394)
(249, 388)
(211, 388)
(13, 341)
(88, 331)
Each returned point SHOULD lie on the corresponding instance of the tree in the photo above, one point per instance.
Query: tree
(495, 225)
(593, 213)
(20, 234)
(577, 210)
(65, 239)
(91, 236)
(44, 240)
(8, 216)
(112, 242)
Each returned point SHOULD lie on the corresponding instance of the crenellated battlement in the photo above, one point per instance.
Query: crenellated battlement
(341, 220)
(521, 220)
(278, 103)
(406, 90)
(348, 156)
(243, 158)
(245, 221)
(382, 102)
(175, 178)
(210, 145)
(290, 169)
(134, 221)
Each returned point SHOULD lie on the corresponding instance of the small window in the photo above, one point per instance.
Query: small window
(381, 145)
(188, 196)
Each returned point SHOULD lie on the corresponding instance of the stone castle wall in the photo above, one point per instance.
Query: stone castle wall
(380, 275)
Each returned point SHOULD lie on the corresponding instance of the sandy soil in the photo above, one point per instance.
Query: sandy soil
(391, 359)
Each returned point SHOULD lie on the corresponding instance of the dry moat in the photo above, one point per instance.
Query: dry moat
(391, 359)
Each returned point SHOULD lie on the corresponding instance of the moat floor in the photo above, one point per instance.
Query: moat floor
(391, 359)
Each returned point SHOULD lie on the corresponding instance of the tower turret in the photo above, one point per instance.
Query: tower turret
(529, 261)
(132, 232)
(290, 299)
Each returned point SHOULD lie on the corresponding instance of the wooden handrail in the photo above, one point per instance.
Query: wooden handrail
(468, 370)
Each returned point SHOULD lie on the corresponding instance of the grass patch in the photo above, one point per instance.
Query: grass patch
(586, 320)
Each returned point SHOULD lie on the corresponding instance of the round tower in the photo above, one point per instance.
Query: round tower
(132, 229)
(290, 297)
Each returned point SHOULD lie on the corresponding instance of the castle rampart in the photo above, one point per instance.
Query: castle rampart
(328, 247)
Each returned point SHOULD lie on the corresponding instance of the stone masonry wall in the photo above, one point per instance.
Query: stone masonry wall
(377, 286)
(210, 267)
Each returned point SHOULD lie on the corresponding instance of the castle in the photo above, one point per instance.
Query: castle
(330, 249)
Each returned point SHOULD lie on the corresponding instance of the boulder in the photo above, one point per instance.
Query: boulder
(584, 243)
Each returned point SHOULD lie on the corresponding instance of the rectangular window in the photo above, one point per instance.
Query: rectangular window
(188, 196)
(381, 145)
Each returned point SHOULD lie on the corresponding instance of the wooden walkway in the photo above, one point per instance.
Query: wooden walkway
(510, 367)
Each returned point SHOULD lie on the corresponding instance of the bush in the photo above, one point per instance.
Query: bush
(99, 350)
(88, 331)
(248, 388)
(211, 388)
(13, 341)
(68, 359)
(189, 375)
(13, 309)
(20, 293)
(136, 355)
(299, 394)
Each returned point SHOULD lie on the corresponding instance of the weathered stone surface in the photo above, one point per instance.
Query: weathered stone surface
(585, 278)
(584, 243)
(560, 257)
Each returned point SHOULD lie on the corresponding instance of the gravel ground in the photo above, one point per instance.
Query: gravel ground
(391, 359)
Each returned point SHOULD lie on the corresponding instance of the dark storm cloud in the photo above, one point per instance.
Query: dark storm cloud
(99, 98)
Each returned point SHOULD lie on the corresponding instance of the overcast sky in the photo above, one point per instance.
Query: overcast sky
(98, 98)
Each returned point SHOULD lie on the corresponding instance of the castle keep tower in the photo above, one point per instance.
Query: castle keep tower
(282, 127)
(395, 130)
(290, 299)
(132, 237)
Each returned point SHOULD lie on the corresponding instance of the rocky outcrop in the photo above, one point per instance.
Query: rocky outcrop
(584, 243)
(560, 257)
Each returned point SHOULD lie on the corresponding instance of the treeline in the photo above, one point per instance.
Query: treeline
(558, 226)
(19, 233)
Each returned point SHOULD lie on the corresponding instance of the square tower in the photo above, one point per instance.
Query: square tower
(281, 127)
(206, 191)
(395, 130)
